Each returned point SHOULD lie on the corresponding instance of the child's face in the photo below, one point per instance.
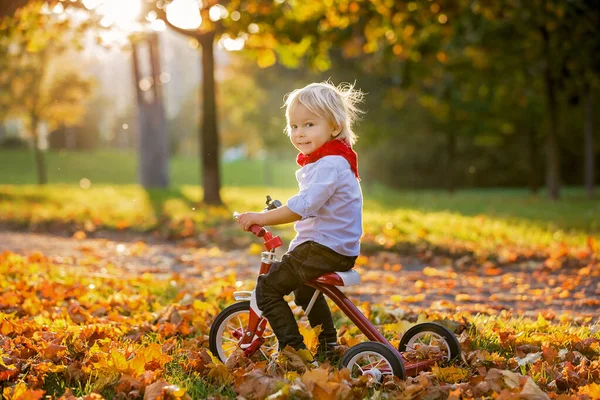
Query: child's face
(309, 131)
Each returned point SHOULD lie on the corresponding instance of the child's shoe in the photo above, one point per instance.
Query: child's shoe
(331, 352)
(295, 360)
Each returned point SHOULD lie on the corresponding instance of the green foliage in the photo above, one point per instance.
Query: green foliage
(32, 83)
(65, 104)
(31, 86)
(456, 91)
(244, 119)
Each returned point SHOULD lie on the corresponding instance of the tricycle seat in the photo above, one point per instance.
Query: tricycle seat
(346, 278)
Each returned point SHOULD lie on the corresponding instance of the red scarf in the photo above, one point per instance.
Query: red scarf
(337, 147)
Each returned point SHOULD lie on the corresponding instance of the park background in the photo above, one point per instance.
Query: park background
(155, 120)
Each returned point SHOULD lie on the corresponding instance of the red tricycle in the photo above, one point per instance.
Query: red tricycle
(242, 326)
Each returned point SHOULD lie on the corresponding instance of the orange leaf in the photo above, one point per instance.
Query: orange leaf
(549, 354)
(21, 392)
(52, 350)
(317, 381)
(79, 235)
(122, 224)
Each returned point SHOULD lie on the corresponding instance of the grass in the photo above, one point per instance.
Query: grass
(491, 221)
(120, 167)
(196, 387)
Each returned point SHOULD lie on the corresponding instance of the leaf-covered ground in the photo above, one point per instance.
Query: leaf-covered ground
(130, 318)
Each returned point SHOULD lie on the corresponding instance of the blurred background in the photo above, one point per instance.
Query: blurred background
(460, 94)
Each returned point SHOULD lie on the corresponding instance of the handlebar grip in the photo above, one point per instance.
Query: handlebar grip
(257, 230)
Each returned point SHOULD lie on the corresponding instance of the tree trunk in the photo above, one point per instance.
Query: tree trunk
(450, 162)
(552, 155)
(588, 150)
(533, 159)
(38, 154)
(152, 137)
(209, 135)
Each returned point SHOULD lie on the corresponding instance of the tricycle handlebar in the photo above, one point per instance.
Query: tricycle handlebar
(258, 230)
(271, 242)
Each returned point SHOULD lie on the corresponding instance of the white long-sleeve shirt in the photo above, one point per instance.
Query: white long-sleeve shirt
(330, 203)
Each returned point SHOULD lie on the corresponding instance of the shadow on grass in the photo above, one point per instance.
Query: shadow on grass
(28, 200)
(158, 198)
(23, 198)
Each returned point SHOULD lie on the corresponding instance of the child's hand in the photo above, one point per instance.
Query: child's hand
(246, 220)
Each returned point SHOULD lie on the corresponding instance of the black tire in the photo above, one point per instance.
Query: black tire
(352, 356)
(217, 329)
(432, 331)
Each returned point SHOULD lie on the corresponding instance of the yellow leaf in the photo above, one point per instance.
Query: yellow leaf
(361, 260)
(450, 374)
(136, 365)
(291, 375)
(220, 374)
(306, 355)
(266, 58)
(398, 327)
(21, 392)
(311, 336)
(592, 390)
(119, 361)
(218, 371)
(255, 249)
(541, 321)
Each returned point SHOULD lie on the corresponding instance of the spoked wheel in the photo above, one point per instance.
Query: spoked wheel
(229, 327)
(373, 358)
(431, 338)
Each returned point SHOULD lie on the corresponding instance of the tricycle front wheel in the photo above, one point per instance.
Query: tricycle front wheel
(230, 326)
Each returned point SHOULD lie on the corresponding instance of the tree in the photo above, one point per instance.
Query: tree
(31, 85)
(542, 37)
(152, 141)
(584, 75)
(209, 134)
(153, 154)
(545, 32)
(268, 23)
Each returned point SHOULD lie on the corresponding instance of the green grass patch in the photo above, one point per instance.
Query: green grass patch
(486, 222)
(490, 221)
(195, 385)
(120, 167)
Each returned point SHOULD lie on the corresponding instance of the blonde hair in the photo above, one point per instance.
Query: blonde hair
(336, 104)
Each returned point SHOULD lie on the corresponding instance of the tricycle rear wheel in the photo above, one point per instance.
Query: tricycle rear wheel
(373, 358)
(431, 334)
